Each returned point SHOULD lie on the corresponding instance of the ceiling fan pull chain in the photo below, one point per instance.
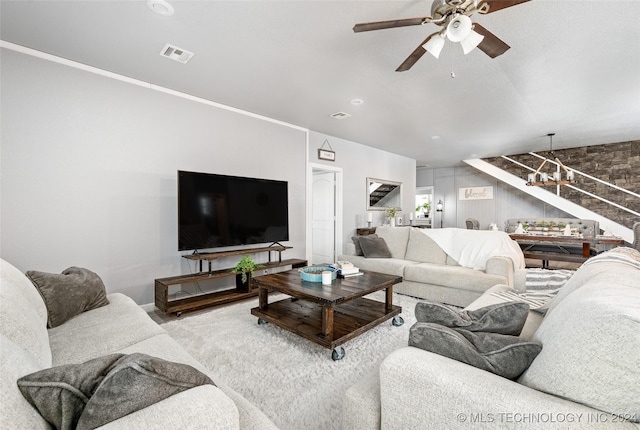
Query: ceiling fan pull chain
(453, 73)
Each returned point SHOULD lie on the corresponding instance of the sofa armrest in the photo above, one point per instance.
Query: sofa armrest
(250, 416)
(361, 403)
(502, 266)
(349, 249)
(422, 390)
(203, 407)
(520, 280)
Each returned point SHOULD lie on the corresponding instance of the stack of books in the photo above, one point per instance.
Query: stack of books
(347, 269)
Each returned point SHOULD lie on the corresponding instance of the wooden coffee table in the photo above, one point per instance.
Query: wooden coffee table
(328, 315)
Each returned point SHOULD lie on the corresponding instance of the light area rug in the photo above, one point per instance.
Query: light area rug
(292, 380)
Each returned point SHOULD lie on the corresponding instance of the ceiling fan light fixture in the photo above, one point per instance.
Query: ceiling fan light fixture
(161, 7)
(471, 42)
(459, 28)
(434, 45)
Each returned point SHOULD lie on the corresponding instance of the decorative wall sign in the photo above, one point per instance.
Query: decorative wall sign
(475, 193)
(326, 154)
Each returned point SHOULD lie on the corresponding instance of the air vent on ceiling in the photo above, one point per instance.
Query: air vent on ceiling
(340, 115)
(178, 54)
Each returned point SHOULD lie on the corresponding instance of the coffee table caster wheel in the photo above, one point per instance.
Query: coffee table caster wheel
(337, 354)
(178, 314)
(397, 321)
(261, 321)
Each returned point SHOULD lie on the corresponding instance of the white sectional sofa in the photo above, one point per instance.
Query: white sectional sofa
(587, 375)
(430, 273)
(27, 346)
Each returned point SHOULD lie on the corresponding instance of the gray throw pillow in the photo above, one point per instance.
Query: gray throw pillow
(504, 318)
(66, 295)
(92, 394)
(507, 356)
(356, 242)
(374, 247)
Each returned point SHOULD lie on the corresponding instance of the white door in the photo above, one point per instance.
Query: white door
(323, 219)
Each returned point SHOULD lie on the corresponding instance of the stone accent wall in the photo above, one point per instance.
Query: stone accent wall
(616, 163)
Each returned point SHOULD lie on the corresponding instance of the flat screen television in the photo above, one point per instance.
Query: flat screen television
(216, 211)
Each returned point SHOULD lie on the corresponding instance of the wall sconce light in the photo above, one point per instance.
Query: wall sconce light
(439, 208)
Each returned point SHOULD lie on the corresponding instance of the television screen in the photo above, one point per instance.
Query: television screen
(217, 211)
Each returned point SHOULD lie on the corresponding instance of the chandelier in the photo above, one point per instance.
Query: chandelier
(556, 177)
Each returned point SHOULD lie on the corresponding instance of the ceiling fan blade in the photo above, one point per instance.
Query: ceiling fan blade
(495, 5)
(490, 45)
(415, 55)
(369, 26)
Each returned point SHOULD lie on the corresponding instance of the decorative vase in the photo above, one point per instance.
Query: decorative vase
(392, 222)
(243, 287)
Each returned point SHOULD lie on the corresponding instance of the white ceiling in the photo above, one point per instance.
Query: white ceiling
(573, 68)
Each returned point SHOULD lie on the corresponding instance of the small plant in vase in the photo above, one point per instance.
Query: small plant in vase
(245, 268)
(425, 208)
(391, 213)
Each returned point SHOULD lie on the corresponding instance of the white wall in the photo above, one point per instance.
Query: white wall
(359, 162)
(507, 201)
(88, 171)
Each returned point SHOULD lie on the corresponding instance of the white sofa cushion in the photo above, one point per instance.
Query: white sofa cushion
(424, 249)
(101, 331)
(200, 407)
(391, 266)
(458, 277)
(591, 347)
(164, 346)
(396, 239)
(15, 363)
(24, 287)
(23, 316)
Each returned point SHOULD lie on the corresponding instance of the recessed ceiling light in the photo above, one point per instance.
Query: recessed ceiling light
(357, 102)
(435, 137)
(161, 7)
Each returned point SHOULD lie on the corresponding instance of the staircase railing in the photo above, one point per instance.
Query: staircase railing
(607, 224)
(593, 178)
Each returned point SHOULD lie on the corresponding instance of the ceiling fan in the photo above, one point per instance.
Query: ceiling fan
(453, 16)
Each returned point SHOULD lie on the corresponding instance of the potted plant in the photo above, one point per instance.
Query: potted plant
(244, 271)
(391, 213)
(426, 209)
